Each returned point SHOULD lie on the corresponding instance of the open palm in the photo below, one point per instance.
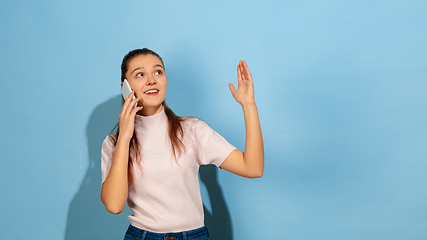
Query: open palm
(245, 88)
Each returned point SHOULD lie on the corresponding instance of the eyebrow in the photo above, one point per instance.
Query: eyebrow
(141, 68)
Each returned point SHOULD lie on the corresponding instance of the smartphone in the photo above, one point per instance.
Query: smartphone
(126, 90)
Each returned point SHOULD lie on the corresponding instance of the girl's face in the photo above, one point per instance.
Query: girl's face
(146, 77)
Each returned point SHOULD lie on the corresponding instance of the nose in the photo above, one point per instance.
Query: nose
(151, 80)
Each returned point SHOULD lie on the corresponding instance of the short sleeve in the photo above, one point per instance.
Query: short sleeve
(107, 153)
(212, 148)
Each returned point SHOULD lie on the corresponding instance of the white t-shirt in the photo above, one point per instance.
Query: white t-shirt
(165, 195)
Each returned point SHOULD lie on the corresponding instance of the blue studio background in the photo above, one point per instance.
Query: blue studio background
(341, 91)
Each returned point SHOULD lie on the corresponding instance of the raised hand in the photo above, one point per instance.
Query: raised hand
(127, 117)
(114, 192)
(245, 88)
(249, 163)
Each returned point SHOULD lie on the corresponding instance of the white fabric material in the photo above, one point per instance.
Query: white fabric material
(165, 195)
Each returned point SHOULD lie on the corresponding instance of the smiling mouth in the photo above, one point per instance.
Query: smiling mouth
(153, 91)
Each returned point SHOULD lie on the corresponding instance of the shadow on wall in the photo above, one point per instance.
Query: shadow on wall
(87, 217)
(218, 221)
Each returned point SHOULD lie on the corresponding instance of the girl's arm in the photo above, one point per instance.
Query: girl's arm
(249, 164)
(114, 191)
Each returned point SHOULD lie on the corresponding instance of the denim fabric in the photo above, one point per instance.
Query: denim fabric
(134, 233)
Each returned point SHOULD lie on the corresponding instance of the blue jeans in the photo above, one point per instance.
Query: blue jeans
(134, 233)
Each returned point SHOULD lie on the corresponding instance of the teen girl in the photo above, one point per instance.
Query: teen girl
(152, 162)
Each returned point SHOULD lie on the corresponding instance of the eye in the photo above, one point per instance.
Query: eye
(139, 75)
(158, 72)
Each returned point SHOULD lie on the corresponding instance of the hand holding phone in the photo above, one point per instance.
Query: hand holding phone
(126, 90)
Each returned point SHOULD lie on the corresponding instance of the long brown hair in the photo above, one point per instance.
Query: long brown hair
(175, 130)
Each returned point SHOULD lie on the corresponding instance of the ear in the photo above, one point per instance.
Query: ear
(121, 85)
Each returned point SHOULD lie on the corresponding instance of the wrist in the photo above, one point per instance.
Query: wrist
(248, 105)
(121, 139)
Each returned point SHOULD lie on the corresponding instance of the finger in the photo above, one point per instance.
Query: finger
(131, 105)
(129, 97)
(242, 65)
(239, 77)
(135, 110)
(127, 100)
(232, 88)
(247, 72)
(243, 70)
